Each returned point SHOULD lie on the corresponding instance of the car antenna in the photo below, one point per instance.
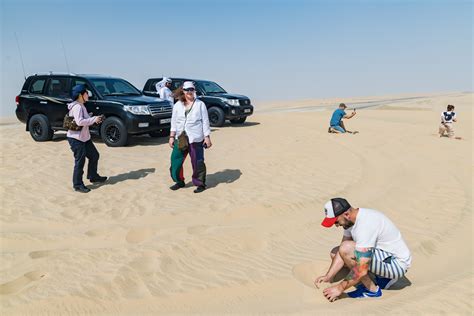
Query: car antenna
(21, 56)
(65, 57)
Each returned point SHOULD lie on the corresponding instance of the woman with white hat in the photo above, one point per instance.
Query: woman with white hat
(190, 134)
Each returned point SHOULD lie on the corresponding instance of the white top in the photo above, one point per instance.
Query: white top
(165, 93)
(447, 116)
(196, 124)
(373, 229)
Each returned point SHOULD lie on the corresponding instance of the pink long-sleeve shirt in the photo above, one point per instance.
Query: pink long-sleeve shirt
(82, 118)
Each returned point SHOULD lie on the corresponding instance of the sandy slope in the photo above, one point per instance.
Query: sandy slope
(252, 243)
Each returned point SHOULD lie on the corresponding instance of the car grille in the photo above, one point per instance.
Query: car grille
(160, 109)
(244, 102)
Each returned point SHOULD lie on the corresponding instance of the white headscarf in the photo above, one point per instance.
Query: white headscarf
(162, 83)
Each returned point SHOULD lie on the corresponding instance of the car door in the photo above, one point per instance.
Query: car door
(56, 97)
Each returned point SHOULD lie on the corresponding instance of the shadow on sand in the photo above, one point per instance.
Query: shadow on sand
(399, 285)
(225, 176)
(246, 124)
(132, 175)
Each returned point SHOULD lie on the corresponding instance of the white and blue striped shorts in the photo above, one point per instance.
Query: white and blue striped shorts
(386, 265)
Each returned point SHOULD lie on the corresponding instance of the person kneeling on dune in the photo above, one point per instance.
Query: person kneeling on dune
(371, 243)
(336, 125)
(448, 118)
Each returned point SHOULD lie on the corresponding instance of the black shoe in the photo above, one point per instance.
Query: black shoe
(82, 189)
(98, 179)
(177, 186)
(199, 189)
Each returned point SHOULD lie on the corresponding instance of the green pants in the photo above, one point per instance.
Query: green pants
(196, 152)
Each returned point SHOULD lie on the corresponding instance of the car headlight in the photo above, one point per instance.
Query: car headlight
(233, 102)
(137, 109)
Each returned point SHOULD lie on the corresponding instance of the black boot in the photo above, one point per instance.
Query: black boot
(98, 179)
(200, 188)
(82, 189)
(177, 186)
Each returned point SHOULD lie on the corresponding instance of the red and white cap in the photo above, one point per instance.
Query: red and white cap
(333, 209)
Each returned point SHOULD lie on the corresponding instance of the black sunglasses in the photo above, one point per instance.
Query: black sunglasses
(189, 89)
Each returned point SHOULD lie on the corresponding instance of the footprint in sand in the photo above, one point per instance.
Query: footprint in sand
(137, 235)
(145, 264)
(39, 254)
(196, 230)
(168, 265)
(252, 242)
(20, 283)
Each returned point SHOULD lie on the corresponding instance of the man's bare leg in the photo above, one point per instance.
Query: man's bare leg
(346, 252)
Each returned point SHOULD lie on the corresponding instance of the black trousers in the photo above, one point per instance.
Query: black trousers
(83, 150)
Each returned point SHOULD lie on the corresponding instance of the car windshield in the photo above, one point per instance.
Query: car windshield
(210, 87)
(111, 86)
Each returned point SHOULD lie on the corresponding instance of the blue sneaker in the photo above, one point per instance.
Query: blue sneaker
(362, 292)
(384, 283)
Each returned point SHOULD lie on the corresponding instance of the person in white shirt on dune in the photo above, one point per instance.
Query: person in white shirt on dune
(190, 133)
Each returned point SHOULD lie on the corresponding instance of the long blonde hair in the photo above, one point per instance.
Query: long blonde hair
(179, 94)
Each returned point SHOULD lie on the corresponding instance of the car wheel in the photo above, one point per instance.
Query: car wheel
(240, 120)
(40, 129)
(160, 133)
(113, 132)
(216, 116)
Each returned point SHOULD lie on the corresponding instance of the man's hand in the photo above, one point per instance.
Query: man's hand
(320, 279)
(171, 141)
(207, 141)
(332, 293)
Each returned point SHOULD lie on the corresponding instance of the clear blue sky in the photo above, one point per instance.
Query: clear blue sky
(264, 49)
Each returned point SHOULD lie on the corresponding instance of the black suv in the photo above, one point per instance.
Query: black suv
(42, 105)
(220, 105)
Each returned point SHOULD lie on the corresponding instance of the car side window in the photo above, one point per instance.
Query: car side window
(37, 86)
(58, 88)
(120, 87)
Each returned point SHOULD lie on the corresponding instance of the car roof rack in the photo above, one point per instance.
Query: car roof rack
(49, 73)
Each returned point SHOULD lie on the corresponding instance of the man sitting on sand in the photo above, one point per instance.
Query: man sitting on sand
(336, 125)
(371, 242)
(448, 118)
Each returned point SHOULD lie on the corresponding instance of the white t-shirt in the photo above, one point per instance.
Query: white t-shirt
(373, 229)
(196, 124)
(165, 93)
(447, 116)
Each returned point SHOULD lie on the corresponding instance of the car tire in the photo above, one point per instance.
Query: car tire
(216, 116)
(39, 128)
(240, 120)
(160, 133)
(113, 132)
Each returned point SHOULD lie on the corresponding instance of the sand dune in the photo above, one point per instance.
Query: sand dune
(252, 243)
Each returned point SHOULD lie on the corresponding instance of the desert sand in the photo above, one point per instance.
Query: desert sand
(252, 243)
